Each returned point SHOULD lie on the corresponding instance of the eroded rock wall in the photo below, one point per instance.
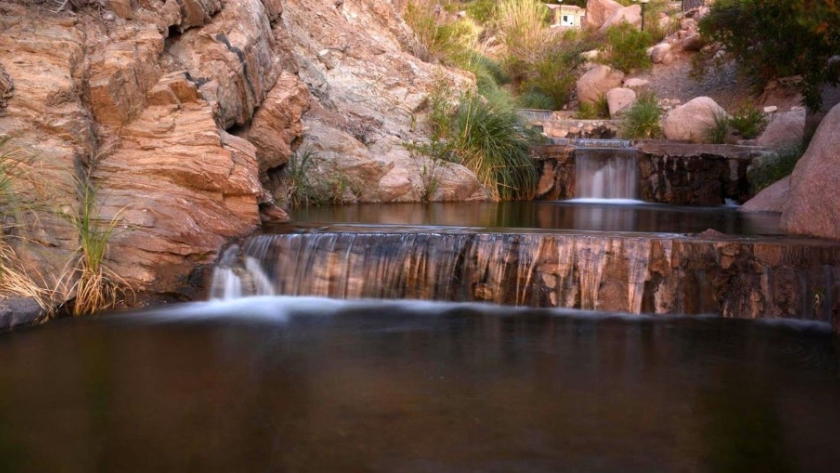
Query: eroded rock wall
(181, 113)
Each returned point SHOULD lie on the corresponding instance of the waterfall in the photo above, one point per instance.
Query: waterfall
(617, 273)
(606, 170)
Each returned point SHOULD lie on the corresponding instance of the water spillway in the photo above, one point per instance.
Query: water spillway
(656, 274)
(606, 169)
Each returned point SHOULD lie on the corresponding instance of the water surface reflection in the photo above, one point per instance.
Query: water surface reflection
(559, 215)
(311, 385)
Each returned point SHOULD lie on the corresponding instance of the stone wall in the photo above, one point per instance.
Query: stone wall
(670, 173)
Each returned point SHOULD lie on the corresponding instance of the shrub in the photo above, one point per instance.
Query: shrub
(748, 122)
(777, 38)
(452, 43)
(594, 111)
(490, 139)
(626, 48)
(522, 24)
(482, 11)
(535, 99)
(772, 168)
(553, 74)
(642, 119)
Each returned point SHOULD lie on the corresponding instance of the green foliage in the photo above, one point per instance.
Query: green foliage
(452, 43)
(642, 119)
(482, 11)
(777, 38)
(772, 168)
(719, 132)
(490, 139)
(748, 122)
(553, 74)
(535, 99)
(599, 110)
(626, 48)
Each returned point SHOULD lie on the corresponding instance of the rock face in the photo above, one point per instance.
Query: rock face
(813, 206)
(182, 114)
(598, 11)
(596, 82)
(692, 120)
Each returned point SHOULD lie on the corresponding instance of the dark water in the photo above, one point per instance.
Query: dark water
(314, 385)
(550, 215)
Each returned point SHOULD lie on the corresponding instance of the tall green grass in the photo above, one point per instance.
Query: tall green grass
(491, 140)
(626, 48)
(772, 168)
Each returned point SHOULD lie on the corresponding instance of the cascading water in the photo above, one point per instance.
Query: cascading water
(663, 275)
(606, 169)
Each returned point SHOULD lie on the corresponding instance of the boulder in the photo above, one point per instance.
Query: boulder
(597, 82)
(619, 99)
(692, 120)
(813, 207)
(658, 52)
(785, 130)
(598, 11)
(632, 15)
(771, 199)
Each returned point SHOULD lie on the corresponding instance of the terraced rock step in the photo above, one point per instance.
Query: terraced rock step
(711, 273)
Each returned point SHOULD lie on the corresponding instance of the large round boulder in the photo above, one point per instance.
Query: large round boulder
(813, 205)
(597, 82)
(692, 120)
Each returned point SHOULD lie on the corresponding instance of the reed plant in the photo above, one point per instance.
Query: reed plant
(718, 133)
(523, 23)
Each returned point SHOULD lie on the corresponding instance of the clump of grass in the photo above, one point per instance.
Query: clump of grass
(553, 75)
(482, 11)
(774, 167)
(626, 48)
(522, 24)
(748, 122)
(300, 188)
(14, 279)
(96, 287)
(452, 43)
(535, 99)
(491, 140)
(719, 131)
(642, 119)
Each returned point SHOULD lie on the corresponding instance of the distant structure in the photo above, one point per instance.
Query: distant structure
(569, 16)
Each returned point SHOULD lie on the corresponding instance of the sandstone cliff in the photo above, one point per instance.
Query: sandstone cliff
(182, 113)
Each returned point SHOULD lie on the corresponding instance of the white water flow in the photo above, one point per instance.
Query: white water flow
(606, 173)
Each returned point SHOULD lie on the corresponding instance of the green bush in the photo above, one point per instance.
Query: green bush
(748, 122)
(777, 38)
(642, 119)
(553, 74)
(626, 48)
(522, 24)
(772, 168)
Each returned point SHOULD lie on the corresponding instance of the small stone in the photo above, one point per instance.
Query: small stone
(771, 109)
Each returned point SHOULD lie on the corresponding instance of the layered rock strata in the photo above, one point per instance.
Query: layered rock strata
(182, 115)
